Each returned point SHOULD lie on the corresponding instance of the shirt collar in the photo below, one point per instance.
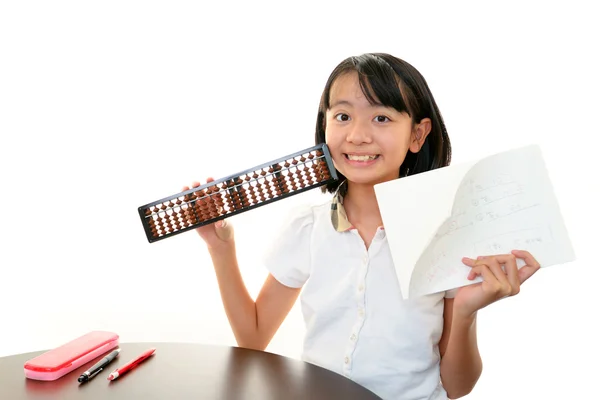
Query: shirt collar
(339, 219)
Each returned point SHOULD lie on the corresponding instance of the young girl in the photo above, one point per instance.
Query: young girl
(380, 122)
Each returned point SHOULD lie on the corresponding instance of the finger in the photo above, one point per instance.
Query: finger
(484, 271)
(491, 283)
(509, 263)
(512, 272)
(224, 230)
(468, 261)
(209, 179)
(525, 255)
(531, 264)
(495, 267)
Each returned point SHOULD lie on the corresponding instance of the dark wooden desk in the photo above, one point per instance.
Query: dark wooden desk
(187, 371)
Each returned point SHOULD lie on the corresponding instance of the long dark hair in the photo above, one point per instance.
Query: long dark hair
(391, 82)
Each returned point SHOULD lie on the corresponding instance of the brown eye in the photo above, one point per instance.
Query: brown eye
(381, 118)
(342, 117)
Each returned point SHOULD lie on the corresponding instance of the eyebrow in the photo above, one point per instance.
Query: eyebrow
(348, 103)
(340, 102)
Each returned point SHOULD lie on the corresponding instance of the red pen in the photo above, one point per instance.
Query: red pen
(130, 365)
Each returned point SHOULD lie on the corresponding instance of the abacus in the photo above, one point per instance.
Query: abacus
(244, 191)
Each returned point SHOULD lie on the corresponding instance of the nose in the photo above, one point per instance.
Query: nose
(359, 133)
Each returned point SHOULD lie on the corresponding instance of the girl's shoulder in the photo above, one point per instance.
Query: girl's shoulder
(310, 211)
(303, 216)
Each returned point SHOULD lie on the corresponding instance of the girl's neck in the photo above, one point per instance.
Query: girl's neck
(360, 204)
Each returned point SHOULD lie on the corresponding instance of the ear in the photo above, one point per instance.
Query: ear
(419, 134)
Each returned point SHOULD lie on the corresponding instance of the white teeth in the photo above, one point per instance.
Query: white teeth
(360, 158)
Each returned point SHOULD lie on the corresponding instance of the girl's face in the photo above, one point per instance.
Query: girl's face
(368, 143)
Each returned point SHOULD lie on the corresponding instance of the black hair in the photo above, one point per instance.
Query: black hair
(391, 82)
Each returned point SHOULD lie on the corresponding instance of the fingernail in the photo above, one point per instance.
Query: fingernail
(480, 257)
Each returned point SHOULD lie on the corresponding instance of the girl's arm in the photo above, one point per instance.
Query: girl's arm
(461, 364)
(253, 323)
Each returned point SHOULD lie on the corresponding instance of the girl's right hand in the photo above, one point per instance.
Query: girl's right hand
(216, 234)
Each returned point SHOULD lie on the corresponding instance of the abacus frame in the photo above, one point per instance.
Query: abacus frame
(232, 187)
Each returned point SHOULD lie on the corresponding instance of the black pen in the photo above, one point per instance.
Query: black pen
(99, 366)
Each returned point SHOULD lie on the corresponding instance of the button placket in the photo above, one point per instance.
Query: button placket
(360, 303)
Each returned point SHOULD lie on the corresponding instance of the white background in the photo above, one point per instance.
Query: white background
(110, 105)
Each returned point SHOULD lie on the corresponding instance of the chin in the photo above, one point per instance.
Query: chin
(366, 180)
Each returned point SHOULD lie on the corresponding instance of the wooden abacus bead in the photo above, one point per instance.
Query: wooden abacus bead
(289, 180)
(206, 206)
(187, 216)
(220, 203)
(240, 199)
(293, 182)
(315, 171)
(199, 206)
(308, 177)
(324, 170)
(277, 186)
(152, 226)
(233, 200)
(253, 194)
(246, 202)
(211, 208)
(175, 223)
(311, 156)
(283, 187)
(228, 200)
(294, 161)
(302, 158)
(160, 225)
(255, 175)
(260, 188)
(269, 189)
(168, 221)
(262, 172)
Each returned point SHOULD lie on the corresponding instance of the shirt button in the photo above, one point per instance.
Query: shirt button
(361, 312)
(365, 259)
(353, 337)
(346, 360)
(361, 287)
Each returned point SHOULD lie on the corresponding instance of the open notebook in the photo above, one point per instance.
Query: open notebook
(491, 206)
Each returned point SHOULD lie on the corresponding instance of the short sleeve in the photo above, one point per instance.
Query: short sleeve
(288, 257)
(450, 294)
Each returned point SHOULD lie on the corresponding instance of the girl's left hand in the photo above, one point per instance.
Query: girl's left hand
(497, 283)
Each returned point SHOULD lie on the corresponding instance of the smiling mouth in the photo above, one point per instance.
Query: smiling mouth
(363, 158)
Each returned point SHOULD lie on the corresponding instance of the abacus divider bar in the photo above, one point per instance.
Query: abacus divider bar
(321, 147)
(240, 210)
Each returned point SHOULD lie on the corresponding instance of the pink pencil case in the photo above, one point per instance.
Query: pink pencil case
(61, 360)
